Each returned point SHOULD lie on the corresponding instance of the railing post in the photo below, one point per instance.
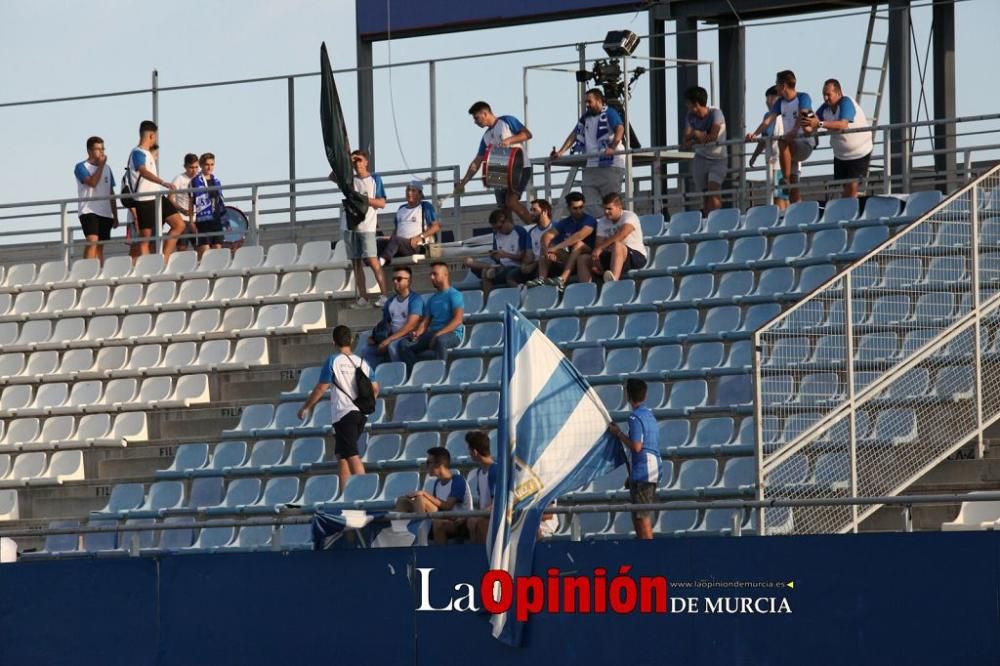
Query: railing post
(64, 231)
(158, 231)
(769, 166)
(432, 81)
(291, 154)
(968, 164)
(758, 412)
(886, 163)
(657, 183)
(977, 326)
(455, 177)
(849, 362)
(548, 180)
(254, 231)
(629, 186)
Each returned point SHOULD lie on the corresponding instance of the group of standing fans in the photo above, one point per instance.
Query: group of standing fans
(197, 215)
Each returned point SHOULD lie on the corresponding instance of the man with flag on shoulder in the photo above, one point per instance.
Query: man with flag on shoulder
(644, 464)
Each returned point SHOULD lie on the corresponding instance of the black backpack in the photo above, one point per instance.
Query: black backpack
(365, 402)
(126, 200)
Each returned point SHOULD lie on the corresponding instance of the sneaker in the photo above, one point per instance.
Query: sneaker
(380, 302)
(537, 282)
(381, 261)
(359, 304)
(609, 276)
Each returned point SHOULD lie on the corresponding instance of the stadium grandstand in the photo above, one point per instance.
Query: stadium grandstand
(820, 373)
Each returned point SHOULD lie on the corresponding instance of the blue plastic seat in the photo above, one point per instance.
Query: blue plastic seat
(618, 292)
(890, 309)
(746, 435)
(495, 369)
(878, 347)
(829, 349)
(919, 203)
(390, 374)
(724, 319)
(819, 387)
(472, 301)
(398, 484)
(228, 454)
(278, 492)
(677, 522)
(893, 426)
(456, 445)
(308, 378)
(640, 325)
(612, 395)
(444, 407)
(485, 334)
(253, 537)
(835, 315)
(670, 255)
(465, 371)
(735, 284)
(694, 287)
(265, 453)
(954, 382)
(62, 543)
(542, 297)
(775, 281)
(788, 246)
(813, 277)
(600, 328)
(382, 447)
(840, 210)
(796, 424)
(295, 536)
(734, 390)
(240, 492)
(623, 361)
(97, 542)
(695, 474)
(655, 392)
(761, 217)
(680, 322)
(739, 473)
(210, 538)
(866, 275)
(360, 488)
(805, 316)
(593, 523)
(944, 271)
(320, 490)
(589, 360)
(867, 239)
(164, 495)
(206, 492)
(914, 383)
(759, 314)
(748, 249)
(877, 208)
(723, 219)
(427, 372)
(710, 252)
(827, 242)
(125, 497)
(410, 407)
(664, 358)
(791, 471)
(187, 458)
(417, 444)
(482, 405)
(579, 295)
(715, 431)
(688, 393)
(674, 433)
(801, 213)
(305, 451)
(176, 539)
(776, 389)
(788, 351)
(687, 222)
(704, 356)
(254, 417)
(720, 520)
(651, 224)
(500, 298)
(563, 329)
(740, 355)
(833, 469)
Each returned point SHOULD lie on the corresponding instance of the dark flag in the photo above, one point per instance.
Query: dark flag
(338, 147)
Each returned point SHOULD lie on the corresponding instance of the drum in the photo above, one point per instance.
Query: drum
(503, 167)
(234, 226)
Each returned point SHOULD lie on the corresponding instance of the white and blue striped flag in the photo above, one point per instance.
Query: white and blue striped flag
(552, 438)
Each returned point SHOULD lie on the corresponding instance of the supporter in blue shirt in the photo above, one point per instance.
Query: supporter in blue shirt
(401, 315)
(567, 240)
(644, 464)
(441, 327)
(795, 111)
(482, 480)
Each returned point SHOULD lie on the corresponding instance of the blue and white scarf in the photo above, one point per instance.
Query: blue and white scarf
(604, 137)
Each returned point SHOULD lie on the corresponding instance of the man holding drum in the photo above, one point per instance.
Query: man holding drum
(502, 132)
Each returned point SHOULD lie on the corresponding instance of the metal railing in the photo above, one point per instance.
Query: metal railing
(878, 375)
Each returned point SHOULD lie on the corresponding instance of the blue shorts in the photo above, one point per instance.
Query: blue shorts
(360, 244)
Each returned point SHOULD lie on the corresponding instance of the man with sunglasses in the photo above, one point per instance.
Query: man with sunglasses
(400, 315)
(563, 244)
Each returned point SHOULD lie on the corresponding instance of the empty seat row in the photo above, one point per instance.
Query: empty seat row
(35, 468)
(236, 457)
(151, 359)
(700, 476)
(814, 389)
(69, 432)
(882, 428)
(94, 396)
(147, 328)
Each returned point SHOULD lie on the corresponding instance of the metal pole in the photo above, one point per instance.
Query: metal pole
(769, 169)
(291, 154)
(657, 183)
(851, 413)
(581, 87)
(977, 326)
(886, 163)
(629, 188)
(527, 144)
(758, 429)
(158, 234)
(156, 106)
(64, 231)
(254, 216)
(432, 79)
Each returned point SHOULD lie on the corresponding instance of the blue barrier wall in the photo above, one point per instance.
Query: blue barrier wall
(879, 599)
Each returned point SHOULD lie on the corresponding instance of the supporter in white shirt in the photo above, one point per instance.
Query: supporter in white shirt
(775, 128)
(183, 201)
(449, 492)
(510, 244)
(851, 152)
(144, 181)
(619, 247)
(416, 223)
(794, 109)
(360, 242)
(97, 218)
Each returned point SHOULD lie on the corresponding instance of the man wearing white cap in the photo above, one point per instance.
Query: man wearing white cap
(416, 223)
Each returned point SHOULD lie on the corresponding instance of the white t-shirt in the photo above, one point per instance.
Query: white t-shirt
(480, 481)
(504, 128)
(442, 491)
(182, 182)
(411, 222)
(633, 241)
(140, 157)
(535, 233)
(343, 391)
(103, 188)
(516, 241)
(789, 110)
(847, 146)
(370, 186)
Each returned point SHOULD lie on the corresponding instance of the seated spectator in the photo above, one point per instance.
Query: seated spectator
(401, 315)
(510, 241)
(483, 480)
(851, 152)
(99, 217)
(441, 327)
(774, 128)
(449, 493)
(795, 146)
(209, 208)
(564, 243)
(416, 223)
(541, 213)
(619, 247)
(184, 202)
(705, 128)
